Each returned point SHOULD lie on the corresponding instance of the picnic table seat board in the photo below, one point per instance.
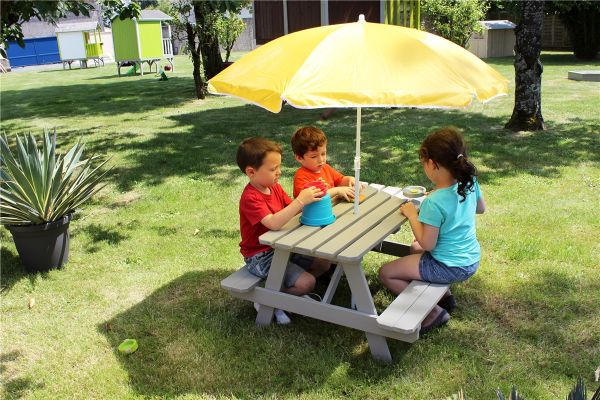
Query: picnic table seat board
(240, 281)
(344, 242)
(410, 308)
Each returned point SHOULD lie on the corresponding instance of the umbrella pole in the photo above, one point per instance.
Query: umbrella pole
(357, 162)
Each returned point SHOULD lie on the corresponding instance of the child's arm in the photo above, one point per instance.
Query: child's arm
(480, 206)
(275, 221)
(347, 181)
(347, 192)
(425, 234)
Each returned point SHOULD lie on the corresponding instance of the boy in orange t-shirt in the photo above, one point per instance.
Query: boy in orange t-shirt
(310, 150)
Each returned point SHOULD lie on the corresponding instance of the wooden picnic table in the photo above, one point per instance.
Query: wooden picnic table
(344, 242)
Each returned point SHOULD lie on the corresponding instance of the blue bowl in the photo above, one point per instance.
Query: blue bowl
(319, 213)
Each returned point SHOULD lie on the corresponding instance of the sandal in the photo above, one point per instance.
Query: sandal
(441, 319)
(448, 303)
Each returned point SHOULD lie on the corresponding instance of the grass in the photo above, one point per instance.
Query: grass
(148, 253)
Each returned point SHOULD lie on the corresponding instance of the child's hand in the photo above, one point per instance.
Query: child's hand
(310, 195)
(326, 184)
(352, 182)
(409, 210)
(347, 192)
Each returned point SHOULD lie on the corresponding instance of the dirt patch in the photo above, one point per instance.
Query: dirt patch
(126, 199)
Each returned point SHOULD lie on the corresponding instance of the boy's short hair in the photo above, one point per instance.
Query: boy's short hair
(251, 152)
(307, 139)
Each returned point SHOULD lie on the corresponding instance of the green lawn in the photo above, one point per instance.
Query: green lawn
(148, 253)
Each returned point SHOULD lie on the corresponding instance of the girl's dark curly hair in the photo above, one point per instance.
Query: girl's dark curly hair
(446, 147)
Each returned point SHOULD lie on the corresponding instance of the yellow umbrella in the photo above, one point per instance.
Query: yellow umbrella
(359, 64)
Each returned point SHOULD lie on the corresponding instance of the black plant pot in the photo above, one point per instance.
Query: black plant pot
(42, 247)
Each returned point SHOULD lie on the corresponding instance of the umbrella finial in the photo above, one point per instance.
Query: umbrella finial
(361, 18)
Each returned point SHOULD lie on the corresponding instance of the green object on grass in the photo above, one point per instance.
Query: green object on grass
(128, 346)
(163, 76)
(131, 71)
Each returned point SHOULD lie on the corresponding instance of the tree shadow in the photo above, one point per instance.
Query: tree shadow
(206, 149)
(120, 96)
(195, 338)
(101, 234)
(552, 328)
(14, 388)
(547, 59)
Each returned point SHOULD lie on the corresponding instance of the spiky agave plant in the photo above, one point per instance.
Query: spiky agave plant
(577, 393)
(37, 185)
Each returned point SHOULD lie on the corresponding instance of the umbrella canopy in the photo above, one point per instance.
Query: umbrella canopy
(360, 64)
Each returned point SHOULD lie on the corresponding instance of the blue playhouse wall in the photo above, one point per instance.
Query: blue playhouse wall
(37, 51)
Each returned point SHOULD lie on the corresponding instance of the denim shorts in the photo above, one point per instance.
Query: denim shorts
(260, 264)
(434, 271)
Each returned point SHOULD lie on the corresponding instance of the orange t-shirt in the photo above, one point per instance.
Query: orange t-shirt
(303, 175)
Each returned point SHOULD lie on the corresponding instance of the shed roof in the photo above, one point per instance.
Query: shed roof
(498, 24)
(149, 15)
(78, 26)
(153, 15)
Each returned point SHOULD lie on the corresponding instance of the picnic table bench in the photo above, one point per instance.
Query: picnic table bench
(344, 242)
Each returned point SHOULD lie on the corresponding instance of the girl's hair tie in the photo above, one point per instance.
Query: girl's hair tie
(459, 156)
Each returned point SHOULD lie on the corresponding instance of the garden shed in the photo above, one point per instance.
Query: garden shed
(79, 41)
(496, 40)
(146, 39)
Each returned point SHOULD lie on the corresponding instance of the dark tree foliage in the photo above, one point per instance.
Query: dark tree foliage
(120, 8)
(14, 13)
(582, 20)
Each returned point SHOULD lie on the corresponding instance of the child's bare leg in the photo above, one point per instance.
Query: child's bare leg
(319, 266)
(303, 285)
(397, 275)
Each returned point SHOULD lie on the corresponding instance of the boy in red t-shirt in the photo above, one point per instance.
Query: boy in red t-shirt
(310, 149)
(265, 206)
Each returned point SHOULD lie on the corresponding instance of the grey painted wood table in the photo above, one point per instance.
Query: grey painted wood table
(345, 242)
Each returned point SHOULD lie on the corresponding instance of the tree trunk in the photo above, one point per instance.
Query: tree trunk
(211, 57)
(527, 113)
(208, 41)
(196, 60)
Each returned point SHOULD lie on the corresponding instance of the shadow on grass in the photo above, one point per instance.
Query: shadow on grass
(555, 331)
(549, 59)
(95, 99)
(206, 151)
(101, 234)
(195, 338)
(12, 270)
(14, 388)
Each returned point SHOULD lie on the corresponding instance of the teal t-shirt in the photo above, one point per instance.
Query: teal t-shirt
(457, 244)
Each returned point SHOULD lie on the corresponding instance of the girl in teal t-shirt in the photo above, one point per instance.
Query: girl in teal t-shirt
(445, 249)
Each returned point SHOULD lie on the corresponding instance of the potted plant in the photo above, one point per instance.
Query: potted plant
(39, 192)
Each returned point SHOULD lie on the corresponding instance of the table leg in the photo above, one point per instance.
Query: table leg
(364, 303)
(333, 284)
(274, 282)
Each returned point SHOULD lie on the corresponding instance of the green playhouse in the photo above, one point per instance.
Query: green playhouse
(146, 39)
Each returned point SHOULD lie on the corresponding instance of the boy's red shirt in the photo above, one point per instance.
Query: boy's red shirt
(303, 175)
(254, 206)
